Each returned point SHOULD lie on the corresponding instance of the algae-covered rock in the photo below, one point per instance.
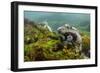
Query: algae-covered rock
(41, 44)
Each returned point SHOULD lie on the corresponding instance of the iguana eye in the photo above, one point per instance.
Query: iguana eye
(69, 38)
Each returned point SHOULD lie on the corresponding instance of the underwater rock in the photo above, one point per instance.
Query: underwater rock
(42, 44)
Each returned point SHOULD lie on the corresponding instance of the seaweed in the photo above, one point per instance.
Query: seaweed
(42, 45)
